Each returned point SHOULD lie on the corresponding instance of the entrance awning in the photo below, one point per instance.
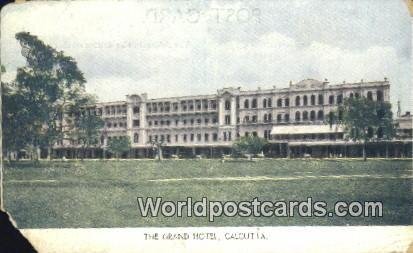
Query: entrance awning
(306, 129)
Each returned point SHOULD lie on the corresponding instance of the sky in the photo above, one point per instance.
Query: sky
(182, 47)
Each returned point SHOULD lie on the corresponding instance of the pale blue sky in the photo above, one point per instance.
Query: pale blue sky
(173, 48)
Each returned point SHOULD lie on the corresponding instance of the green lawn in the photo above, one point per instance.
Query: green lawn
(103, 193)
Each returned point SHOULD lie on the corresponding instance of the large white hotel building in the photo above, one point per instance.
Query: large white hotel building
(292, 119)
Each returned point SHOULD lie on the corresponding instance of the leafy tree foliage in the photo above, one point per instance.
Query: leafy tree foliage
(251, 145)
(119, 145)
(85, 127)
(46, 88)
(366, 120)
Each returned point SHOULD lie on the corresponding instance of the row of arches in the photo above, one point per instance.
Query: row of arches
(312, 116)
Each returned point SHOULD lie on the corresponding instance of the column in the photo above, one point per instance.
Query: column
(142, 122)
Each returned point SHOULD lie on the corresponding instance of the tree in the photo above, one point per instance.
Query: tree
(119, 145)
(366, 120)
(49, 84)
(249, 145)
(157, 147)
(86, 128)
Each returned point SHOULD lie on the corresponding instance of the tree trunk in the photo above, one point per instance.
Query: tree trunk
(49, 153)
(387, 150)
(160, 155)
(364, 151)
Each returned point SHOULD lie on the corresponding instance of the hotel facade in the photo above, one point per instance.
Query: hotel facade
(292, 119)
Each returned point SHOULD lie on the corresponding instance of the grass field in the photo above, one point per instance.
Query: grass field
(103, 193)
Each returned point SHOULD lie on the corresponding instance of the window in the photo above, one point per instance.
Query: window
(136, 138)
(214, 120)
(198, 121)
(297, 116)
(351, 95)
(340, 99)
(312, 99)
(192, 137)
(320, 115)
(370, 95)
(264, 103)
(254, 118)
(269, 102)
(176, 122)
(255, 134)
(192, 121)
(331, 99)
(247, 118)
(176, 138)
(168, 138)
(287, 102)
(246, 103)
(279, 118)
(206, 120)
(320, 99)
(227, 105)
(305, 115)
(279, 102)
(297, 101)
(206, 137)
(225, 136)
(254, 103)
(136, 109)
(198, 137)
(287, 117)
(305, 100)
(184, 137)
(136, 123)
(227, 120)
(312, 115)
(379, 95)
(215, 136)
(269, 117)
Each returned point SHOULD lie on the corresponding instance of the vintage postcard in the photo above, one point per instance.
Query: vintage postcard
(206, 126)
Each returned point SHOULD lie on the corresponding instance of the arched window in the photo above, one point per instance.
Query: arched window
(297, 116)
(227, 105)
(320, 115)
(287, 102)
(380, 133)
(312, 115)
(351, 95)
(246, 103)
(279, 118)
(370, 95)
(269, 102)
(312, 99)
(136, 138)
(279, 102)
(305, 100)
(331, 99)
(297, 101)
(265, 118)
(305, 115)
(254, 103)
(269, 117)
(287, 117)
(340, 99)
(320, 99)
(264, 103)
(379, 95)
